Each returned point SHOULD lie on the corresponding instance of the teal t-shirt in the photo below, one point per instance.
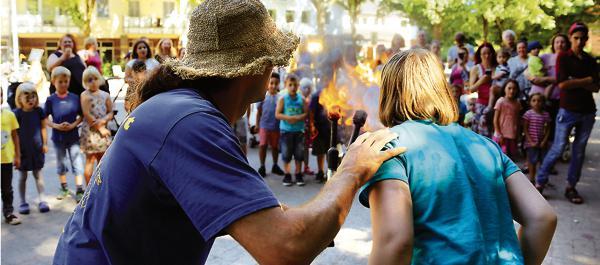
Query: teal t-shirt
(461, 208)
(292, 106)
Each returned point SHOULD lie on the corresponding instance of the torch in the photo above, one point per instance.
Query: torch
(333, 155)
(359, 119)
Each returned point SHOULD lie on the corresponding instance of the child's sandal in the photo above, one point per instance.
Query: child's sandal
(573, 196)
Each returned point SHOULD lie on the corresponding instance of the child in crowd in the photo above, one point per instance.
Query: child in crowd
(470, 121)
(500, 76)
(138, 70)
(11, 155)
(33, 142)
(536, 125)
(535, 66)
(506, 119)
(65, 109)
(291, 111)
(97, 111)
(268, 127)
(306, 88)
(321, 132)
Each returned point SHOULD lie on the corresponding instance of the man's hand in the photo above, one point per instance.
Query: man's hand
(17, 162)
(364, 156)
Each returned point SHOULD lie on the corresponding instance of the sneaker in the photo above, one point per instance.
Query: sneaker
(307, 171)
(320, 177)
(12, 219)
(44, 208)
(277, 170)
(24, 208)
(63, 193)
(262, 171)
(78, 196)
(287, 180)
(300, 180)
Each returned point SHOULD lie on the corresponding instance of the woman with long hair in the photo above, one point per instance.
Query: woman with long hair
(164, 50)
(481, 82)
(141, 52)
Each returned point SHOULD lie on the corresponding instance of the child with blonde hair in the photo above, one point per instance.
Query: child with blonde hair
(65, 109)
(97, 112)
(450, 180)
(33, 142)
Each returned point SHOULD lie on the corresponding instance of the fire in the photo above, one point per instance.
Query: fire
(353, 88)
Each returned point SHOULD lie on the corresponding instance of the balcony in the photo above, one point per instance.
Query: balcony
(173, 24)
(29, 23)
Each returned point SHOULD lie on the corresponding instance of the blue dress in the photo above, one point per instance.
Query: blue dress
(30, 138)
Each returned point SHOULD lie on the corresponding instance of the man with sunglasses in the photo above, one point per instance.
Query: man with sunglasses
(454, 52)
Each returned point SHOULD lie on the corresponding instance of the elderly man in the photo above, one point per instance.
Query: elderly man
(577, 78)
(175, 177)
(509, 41)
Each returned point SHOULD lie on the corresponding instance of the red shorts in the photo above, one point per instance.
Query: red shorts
(268, 137)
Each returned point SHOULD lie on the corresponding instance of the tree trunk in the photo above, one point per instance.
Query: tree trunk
(485, 28)
(87, 20)
(321, 13)
(437, 31)
(499, 28)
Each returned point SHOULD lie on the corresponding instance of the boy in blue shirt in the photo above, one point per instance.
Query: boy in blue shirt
(65, 109)
(268, 127)
(291, 111)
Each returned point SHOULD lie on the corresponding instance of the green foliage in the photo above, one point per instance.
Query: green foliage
(486, 19)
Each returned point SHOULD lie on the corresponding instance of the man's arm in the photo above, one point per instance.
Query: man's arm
(297, 235)
(534, 214)
(576, 83)
(392, 221)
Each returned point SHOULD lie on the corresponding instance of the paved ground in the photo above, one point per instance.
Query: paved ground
(577, 240)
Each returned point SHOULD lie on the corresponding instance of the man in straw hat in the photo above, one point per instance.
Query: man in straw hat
(175, 177)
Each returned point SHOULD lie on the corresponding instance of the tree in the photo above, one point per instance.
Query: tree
(321, 8)
(353, 8)
(81, 18)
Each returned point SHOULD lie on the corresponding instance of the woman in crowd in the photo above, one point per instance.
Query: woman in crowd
(141, 52)
(452, 197)
(90, 55)
(517, 66)
(165, 50)
(481, 82)
(66, 56)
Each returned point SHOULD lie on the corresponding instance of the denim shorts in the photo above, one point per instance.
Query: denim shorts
(535, 155)
(68, 153)
(292, 144)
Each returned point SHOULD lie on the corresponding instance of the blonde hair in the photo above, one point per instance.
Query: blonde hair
(91, 71)
(159, 48)
(90, 41)
(26, 87)
(60, 71)
(414, 87)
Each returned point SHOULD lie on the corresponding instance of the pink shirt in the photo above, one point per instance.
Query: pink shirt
(537, 122)
(549, 60)
(509, 117)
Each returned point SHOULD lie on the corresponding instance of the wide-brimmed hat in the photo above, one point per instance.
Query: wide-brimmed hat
(232, 38)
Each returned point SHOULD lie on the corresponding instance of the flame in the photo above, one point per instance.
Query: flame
(353, 88)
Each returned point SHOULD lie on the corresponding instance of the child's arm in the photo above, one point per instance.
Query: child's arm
(86, 109)
(109, 111)
(534, 214)
(546, 135)
(44, 136)
(392, 223)
(17, 144)
(258, 115)
(526, 131)
(497, 114)
(279, 113)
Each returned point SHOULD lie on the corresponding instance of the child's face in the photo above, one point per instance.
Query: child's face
(292, 86)
(139, 76)
(510, 90)
(61, 83)
(501, 58)
(471, 105)
(92, 83)
(536, 102)
(535, 52)
(273, 85)
(28, 100)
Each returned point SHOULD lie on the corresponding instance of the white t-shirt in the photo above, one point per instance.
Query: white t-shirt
(151, 63)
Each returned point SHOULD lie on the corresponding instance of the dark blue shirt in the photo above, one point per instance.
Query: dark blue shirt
(320, 113)
(63, 110)
(174, 178)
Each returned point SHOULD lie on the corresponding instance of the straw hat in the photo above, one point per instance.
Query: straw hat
(232, 38)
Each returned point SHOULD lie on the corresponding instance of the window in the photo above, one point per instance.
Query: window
(134, 8)
(106, 50)
(102, 8)
(273, 13)
(168, 8)
(289, 16)
(33, 7)
(305, 17)
(51, 47)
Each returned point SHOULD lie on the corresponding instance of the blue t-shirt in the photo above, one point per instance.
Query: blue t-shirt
(63, 110)
(170, 183)
(292, 106)
(267, 118)
(461, 210)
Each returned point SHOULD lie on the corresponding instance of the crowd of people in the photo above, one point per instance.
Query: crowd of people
(78, 111)
(185, 167)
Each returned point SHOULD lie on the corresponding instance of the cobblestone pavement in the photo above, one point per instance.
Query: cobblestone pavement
(577, 240)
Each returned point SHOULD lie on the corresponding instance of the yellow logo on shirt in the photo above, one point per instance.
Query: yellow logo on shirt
(128, 123)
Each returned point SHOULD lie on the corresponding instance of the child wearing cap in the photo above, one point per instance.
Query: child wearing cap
(536, 66)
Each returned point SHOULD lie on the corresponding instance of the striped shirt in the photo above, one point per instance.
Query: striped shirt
(537, 121)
